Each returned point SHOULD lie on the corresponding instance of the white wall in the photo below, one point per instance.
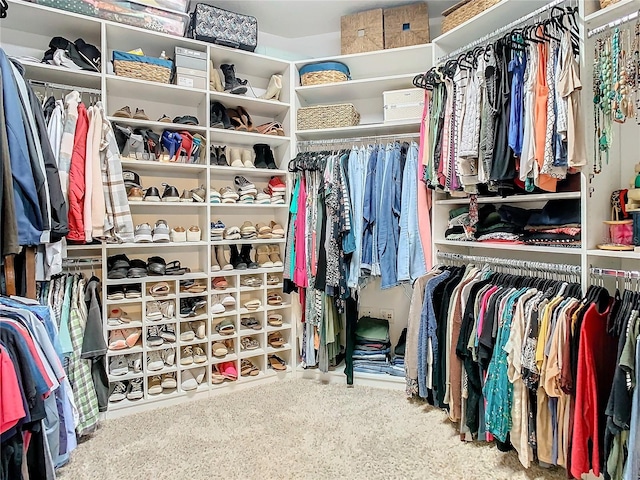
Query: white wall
(372, 298)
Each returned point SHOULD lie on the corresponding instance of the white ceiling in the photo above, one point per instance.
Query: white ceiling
(301, 18)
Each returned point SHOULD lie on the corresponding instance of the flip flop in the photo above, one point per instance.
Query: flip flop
(229, 370)
(277, 363)
(219, 283)
(253, 304)
(248, 343)
(175, 268)
(216, 376)
(276, 340)
(250, 322)
(156, 265)
(159, 289)
(274, 299)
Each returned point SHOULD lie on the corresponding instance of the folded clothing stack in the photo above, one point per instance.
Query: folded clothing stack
(396, 368)
(247, 191)
(277, 190)
(372, 346)
(558, 224)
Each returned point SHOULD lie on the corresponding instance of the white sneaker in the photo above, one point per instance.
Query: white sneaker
(198, 355)
(153, 311)
(135, 389)
(178, 235)
(168, 332)
(118, 366)
(119, 392)
(161, 232)
(194, 234)
(153, 336)
(154, 361)
(216, 305)
(186, 355)
(169, 356)
(168, 309)
(135, 362)
(169, 380)
(187, 336)
(142, 233)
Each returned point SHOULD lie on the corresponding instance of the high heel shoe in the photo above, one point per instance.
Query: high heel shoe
(246, 119)
(273, 89)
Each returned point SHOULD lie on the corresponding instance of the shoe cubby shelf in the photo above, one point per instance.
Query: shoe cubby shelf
(220, 136)
(157, 245)
(158, 126)
(145, 166)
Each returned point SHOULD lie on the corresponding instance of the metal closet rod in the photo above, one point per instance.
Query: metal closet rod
(610, 272)
(614, 23)
(60, 86)
(501, 30)
(68, 262)
(508, 262)
(401, 136)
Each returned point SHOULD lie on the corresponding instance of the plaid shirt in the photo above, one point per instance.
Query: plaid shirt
(79, 370)
(118, 225)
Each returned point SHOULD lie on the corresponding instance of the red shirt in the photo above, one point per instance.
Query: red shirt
(596, 367)
(11, 407)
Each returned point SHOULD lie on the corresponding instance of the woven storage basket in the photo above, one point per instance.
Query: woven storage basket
(606, 3)
(362, 32)
(141, 67)
(328, 116)
(324, 72)
(463, 11)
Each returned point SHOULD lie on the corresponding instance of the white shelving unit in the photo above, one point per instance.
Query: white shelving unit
(30, 29)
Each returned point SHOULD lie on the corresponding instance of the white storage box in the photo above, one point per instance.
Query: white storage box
(404, 104)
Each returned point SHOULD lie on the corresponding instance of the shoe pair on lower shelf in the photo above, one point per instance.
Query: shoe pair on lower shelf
(159, 383)
(158, 359)
(239, 260)
(192, 377)
(191, 354)
(129, 389)
(124, 364)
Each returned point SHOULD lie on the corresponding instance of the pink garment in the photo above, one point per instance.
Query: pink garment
(483, 308)
(300, 271)
(424, 194)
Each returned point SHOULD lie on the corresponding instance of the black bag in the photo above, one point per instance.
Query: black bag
(215, 25)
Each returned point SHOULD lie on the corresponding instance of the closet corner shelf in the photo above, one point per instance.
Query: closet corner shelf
(132, 88)
(516, 247)
(380, 63)
(152, 166)
(537, 197)
(372, 129)
(255, 106)
(626, 255)
(612, 12)
(496, 16)
(249, 172)
(354, 89)
(134, 122)
(235, 137)
(44, 72)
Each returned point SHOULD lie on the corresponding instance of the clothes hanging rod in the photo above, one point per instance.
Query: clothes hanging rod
(609, 272)
(357, 139)
(509, 262)
(60, 86)
(614, 23)
(501, 30)
(68, 262)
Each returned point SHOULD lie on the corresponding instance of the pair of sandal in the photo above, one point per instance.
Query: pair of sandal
(276, 340)
(253, 304)
(277, 363)
(158, 266)
(223, 371)
(251, 323)
(271, 128)
(274, 299)
(220, 349)
(275, 320)
(226, 327)
(189, 306)
(248, 368)
(249, 343)
(191, 286)
(160, 289)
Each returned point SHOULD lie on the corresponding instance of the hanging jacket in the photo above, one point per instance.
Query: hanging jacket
(28, 213)
(9, 232)
(76, 177)
(59, 223)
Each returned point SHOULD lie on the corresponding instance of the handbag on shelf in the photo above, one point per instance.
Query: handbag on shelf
(222, 27)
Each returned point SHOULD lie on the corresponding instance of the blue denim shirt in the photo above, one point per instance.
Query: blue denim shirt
(369, 211)
(389, 217)
(428, 325)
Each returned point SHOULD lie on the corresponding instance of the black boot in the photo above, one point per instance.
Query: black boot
(219, 117)
(261, 157)
(232, 84)
(222, 156)
(213, 155)
(245, 254)
(236, 260)
(271, 161)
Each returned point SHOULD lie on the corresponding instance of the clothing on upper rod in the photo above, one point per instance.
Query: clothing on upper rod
(73, 188)
(518, 359)
(507, 115)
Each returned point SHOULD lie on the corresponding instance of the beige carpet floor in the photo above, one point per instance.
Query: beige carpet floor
(295, 429)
